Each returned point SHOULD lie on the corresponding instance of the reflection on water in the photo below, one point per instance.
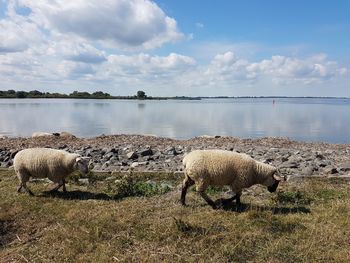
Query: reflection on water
(300, 119)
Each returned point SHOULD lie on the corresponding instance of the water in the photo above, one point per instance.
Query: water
(302, 119)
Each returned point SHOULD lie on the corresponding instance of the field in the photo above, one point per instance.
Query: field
(125, 218)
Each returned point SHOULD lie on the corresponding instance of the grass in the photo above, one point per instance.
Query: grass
(307, 221)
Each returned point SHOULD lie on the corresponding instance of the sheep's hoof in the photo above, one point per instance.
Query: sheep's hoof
(222, 202)
(214, 206)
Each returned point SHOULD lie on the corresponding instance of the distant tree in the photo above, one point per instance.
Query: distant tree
(21, 94)
(141, 95)
(11, 91)
(100, 94)
(77, 94)
(35, 93)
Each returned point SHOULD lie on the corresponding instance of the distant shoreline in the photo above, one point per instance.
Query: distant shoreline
(141, 95)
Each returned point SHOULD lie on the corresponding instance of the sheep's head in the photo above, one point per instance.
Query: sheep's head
(82, 164)
(275, 179)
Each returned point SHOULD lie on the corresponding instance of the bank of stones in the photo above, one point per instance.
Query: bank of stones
(150, 153)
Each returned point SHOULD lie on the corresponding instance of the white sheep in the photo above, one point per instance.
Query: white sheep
(45, 162)
(43, 134)
(219, 167)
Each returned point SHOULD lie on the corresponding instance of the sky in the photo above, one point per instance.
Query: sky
(177, 47)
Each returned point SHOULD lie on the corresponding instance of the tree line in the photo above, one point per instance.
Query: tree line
(75, 94)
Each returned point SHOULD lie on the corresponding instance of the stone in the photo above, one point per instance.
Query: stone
(146, 152)
(307, 170)
(166, 186)
(290, 165)
(134, 164)
(108, 156)
(132, 155)
(268, 160)
(83, 180)
(320, 156)
(123, 163)
(331, 170)
(344, 167)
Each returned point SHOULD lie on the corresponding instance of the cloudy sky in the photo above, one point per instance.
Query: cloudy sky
(182, 47)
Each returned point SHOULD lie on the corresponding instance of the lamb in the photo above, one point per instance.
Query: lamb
(44, 134)
(219, 167)
(45, 162)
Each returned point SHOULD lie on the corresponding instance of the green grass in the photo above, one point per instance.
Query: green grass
(307, 221)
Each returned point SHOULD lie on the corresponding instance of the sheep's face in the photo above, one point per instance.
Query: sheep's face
(82, 164)
(273, 182)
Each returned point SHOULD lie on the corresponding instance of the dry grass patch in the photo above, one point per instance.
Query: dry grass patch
(306, 221)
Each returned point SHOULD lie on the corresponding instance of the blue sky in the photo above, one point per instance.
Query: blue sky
(167, 47)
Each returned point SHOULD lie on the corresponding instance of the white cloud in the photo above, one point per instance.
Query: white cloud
(313, 69)
(126, 24)
(17, 35)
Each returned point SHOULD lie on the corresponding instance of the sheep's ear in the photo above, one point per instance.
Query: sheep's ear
(78, 159)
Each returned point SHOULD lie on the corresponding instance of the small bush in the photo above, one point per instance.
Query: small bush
(128, 186)
(289, 197)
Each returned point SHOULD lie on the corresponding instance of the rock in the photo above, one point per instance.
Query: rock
(290, 164)
(344, 167)
(146, 152)
(151, 182)
(108, 156)
(40, 180)
(110, 178)
(284, 159)
(320, 156)
(9, 163)
(268, 160)
(63, 146)
(134, 164)
(331, 170)
(123, 163)
(83, 180)
(132, 155)
(166, 186)
(308, 170)
(66, 135)
(322, 164)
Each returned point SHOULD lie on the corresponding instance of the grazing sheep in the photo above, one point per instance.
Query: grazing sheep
(218, 168)
(51, 163)
(44, 134)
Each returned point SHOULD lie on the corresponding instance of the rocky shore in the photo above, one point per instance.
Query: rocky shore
(152, 154)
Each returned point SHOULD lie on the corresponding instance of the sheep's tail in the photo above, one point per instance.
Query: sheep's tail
(184, 161)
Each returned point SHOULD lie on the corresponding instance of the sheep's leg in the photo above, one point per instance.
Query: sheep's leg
(207, 199)
(24, 184)
(55, 189)
(64, 185)
(24, 178)
(237, 196)
(185, 185)
(238, 199)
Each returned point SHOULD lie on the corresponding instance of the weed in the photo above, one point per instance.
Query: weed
(292, 197)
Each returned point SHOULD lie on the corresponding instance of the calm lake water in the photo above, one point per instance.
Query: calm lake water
(303, 119)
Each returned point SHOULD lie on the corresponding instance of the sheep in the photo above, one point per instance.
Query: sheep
(45, 162)
(44, 134)
(219, 167)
